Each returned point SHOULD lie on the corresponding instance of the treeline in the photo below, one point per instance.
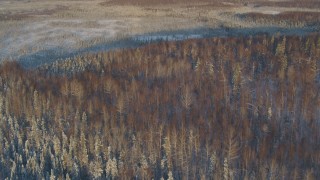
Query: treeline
(291, 3)
(155, 2)
(288, 19)
(217, 108)
(313, 4)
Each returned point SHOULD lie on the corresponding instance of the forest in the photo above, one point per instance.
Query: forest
(213, 108)
(289, 19)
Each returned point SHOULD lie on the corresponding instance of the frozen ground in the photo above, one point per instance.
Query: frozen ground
(40, 31)
(66, 35)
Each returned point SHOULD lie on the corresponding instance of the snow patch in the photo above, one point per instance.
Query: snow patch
(37, 36)
(270, 12)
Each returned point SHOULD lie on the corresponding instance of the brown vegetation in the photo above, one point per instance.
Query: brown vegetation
(218, 108)
(285, 18)
(16, 16)
(156, 2)
(314, 4)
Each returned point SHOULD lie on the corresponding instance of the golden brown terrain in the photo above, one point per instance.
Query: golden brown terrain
(60, 27)
(148, 89)
(215, 108)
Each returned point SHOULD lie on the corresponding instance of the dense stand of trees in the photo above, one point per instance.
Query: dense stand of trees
(279, 3)
(155, 2)
(218, 108)
(314, 4)
(288, 19)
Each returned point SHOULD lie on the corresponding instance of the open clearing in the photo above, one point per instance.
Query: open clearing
(59, 27)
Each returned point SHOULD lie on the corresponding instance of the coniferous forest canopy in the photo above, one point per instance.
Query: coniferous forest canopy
(216, 108)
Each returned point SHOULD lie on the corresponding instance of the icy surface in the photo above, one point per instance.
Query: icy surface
(62, 35)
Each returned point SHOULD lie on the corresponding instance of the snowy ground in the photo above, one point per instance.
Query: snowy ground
(43, 28)
(62, 34)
